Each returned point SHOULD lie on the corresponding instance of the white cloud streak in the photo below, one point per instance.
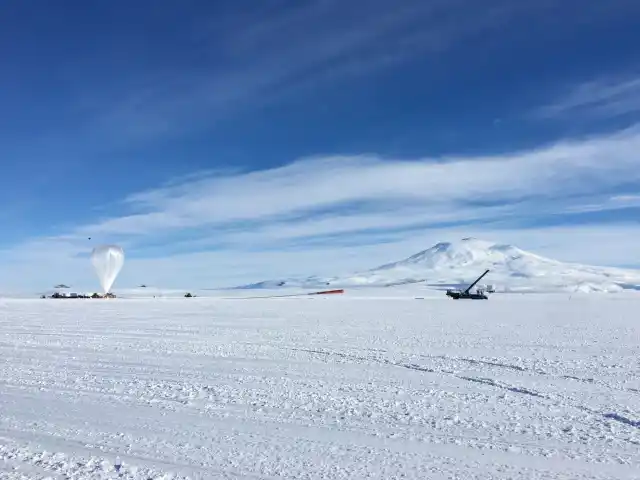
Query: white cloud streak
(601, 98)
(615, 202)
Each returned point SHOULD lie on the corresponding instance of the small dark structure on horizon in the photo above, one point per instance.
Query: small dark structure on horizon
(466, 294)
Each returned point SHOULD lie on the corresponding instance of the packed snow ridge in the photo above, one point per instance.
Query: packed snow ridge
(454, 264)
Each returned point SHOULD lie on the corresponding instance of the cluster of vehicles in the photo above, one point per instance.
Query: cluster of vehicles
(65, 295)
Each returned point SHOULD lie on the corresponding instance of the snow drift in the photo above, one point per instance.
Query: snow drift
(454, 264)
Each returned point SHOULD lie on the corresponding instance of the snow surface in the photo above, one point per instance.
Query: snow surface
(454, 264)
(353, 386)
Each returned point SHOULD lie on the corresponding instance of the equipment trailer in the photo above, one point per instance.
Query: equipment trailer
(466, 294)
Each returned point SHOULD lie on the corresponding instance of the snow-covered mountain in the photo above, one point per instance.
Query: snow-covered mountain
(454, 264)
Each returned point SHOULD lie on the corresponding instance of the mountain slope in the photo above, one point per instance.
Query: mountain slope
(458, 263)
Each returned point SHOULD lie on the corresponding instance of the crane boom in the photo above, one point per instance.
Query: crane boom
(474, 283)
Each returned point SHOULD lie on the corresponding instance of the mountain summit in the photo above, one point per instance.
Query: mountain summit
(467, 252)
(453, 264)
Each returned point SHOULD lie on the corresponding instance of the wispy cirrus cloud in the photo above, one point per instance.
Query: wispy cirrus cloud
(227, 61)
(607, 202)
(323, 215)
(606, 97)
(248, 58)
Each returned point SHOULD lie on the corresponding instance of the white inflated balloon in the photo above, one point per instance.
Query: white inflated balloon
(107, 260)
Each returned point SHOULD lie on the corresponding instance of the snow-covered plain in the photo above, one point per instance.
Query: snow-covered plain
(353, 386)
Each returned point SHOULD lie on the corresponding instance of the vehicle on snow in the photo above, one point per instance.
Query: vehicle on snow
(479, 294)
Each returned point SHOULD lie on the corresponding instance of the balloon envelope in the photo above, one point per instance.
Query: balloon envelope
(107, 261)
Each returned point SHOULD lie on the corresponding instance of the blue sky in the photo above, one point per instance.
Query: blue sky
(221, 143)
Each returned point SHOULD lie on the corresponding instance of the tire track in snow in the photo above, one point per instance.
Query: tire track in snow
(621, 419)
(473, 361)
(493, 383)
(518, 368)
(608, 416)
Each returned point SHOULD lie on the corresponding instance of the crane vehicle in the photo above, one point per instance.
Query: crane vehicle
(467, 294)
